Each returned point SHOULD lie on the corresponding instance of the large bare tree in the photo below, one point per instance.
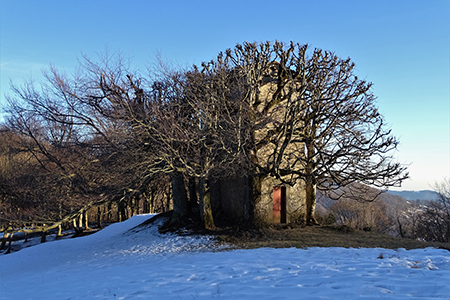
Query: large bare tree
(202, 127)
(316, 100)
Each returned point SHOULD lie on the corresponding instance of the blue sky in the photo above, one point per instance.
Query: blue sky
(402, 46)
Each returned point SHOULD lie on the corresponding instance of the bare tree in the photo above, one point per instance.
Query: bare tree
(202, 130)
(79, 131)
(370, 216)
(317, 101)
(433, 223)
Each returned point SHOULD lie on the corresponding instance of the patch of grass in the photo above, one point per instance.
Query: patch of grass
(319, 236)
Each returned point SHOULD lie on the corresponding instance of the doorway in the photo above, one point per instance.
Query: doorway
(279, 204)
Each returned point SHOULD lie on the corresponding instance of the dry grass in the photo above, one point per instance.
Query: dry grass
(320, 236)
(299, 236)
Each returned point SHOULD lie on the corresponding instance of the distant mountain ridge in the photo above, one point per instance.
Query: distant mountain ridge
(416, 195)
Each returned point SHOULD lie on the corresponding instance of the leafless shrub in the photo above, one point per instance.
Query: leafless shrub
(433, 223)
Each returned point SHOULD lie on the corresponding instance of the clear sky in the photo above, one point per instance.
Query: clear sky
(402, 46)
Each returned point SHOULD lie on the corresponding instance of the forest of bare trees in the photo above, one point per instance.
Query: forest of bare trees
(108, 141)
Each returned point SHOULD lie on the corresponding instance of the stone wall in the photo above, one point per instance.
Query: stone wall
(295, 201)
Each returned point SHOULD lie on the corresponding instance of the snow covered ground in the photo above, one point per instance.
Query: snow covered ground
(119, 263)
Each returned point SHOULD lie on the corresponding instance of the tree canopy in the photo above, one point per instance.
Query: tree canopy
(267, 109)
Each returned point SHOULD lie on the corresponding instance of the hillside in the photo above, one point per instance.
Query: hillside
(388, 213)
(126, 261)
(393, 201)
(416, 195)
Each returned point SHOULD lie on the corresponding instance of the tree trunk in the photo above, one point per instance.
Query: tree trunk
(148, 203)
(86, 222)
(193, 199)
(310, 183)
(5, 239)
(80, 222)
(121, 211)
(131, 206)
(59, 234)
(74, 224)
(145, 206)
(169, 196)
(310, 202)
(255, 183)
(9, 243)
(107, 211)
(135, 206)
(99, 217)
(43, 236)
(205, 205)
(152, 202)
(180, 201)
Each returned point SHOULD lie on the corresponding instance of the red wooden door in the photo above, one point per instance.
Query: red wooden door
(279, 204)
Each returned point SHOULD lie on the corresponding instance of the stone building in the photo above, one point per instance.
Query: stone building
(265, 200)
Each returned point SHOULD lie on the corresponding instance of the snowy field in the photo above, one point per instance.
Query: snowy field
(119, 263)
